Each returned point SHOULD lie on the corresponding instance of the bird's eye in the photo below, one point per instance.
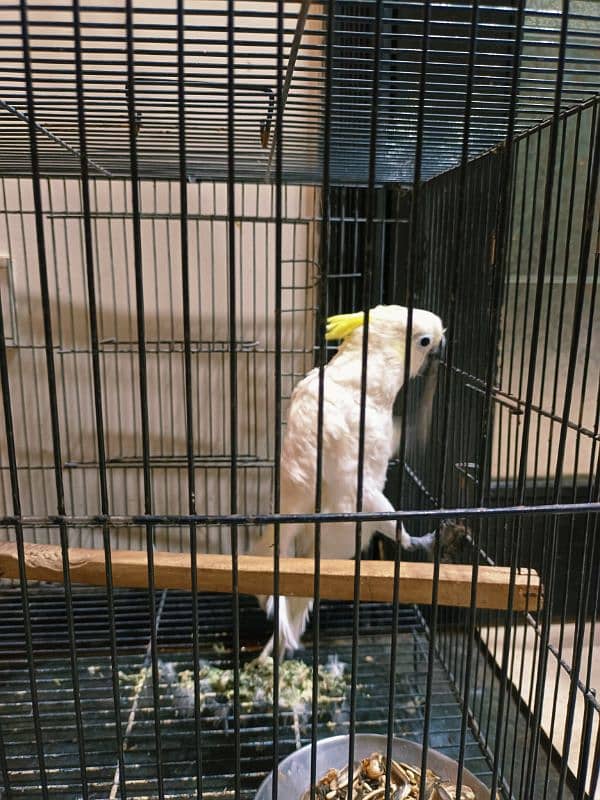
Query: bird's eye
(425, 341)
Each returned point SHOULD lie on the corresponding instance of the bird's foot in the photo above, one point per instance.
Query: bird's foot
(452, 540)
(284, 649)
(451, 537)
(424, 543)
(267, 651)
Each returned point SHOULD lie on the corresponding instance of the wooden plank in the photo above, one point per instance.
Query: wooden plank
(172, 571)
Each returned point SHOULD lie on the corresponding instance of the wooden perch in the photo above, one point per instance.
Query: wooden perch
(172, 571)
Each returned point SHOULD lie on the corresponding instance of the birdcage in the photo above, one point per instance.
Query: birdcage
(188, 191)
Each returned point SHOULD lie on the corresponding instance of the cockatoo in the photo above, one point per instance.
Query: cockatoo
(340, 445)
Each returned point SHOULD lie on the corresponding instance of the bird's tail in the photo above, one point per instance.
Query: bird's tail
(293, 618)
(293, 611)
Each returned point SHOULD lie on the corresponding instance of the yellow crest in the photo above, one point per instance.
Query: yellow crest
(340, 325)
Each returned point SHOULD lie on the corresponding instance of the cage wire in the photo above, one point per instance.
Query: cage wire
(187, 191)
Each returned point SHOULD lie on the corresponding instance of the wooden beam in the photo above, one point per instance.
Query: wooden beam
(172, 571)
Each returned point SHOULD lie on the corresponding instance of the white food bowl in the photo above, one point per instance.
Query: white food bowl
(294, 771)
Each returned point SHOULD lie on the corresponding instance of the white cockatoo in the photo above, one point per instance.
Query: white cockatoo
(340, 444)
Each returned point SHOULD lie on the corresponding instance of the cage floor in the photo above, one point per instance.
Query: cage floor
(177, 727)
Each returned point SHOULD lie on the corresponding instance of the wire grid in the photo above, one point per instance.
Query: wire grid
(348, 222)
(174, 636)
(545, 424)
(524, 467)
(155, 86)
(450, 471)
(437, 482)
(119, 349)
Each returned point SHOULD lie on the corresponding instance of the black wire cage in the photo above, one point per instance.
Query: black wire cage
(188, 191)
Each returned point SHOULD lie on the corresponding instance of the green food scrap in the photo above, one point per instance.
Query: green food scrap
(136, 678)
(256, 683)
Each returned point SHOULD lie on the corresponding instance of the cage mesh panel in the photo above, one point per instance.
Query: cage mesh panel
(210, 348)
(215, 633)
(155, 42)
(524, 716)
(573, 589)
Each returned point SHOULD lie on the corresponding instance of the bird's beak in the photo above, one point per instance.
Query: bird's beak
(433, 357)
(440, 350)
(429, 362)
